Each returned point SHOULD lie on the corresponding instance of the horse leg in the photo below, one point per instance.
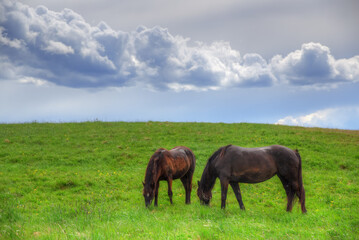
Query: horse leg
(290, 196)
(184, 183)
(170, 189)
(224, 189)
(289, 191)
(156, 193)
(189, 187)
(299, 191)
(301, 195)
(187, 184)
(237, 192)
(292, 188)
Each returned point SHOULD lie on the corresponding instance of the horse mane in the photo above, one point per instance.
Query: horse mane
(208, 172)
(219, 153)
(151, 170)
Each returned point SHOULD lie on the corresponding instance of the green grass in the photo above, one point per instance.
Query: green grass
(84, 181)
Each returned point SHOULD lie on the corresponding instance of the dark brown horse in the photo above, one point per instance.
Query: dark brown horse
(232, 164)
(178, 162)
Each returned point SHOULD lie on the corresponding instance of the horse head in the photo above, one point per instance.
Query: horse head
(148, 193)
(151, 177)
(204, 196)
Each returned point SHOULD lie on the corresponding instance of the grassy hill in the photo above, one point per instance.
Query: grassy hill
(83, 181)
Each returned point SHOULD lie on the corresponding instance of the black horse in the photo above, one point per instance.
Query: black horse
(168, 165)
(233, 164)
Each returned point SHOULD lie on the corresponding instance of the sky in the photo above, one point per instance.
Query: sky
(277, 62)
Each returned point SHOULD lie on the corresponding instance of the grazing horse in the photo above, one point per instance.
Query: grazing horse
(233, 164)
(168, 165)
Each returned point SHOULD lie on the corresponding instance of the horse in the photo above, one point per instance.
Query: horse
(234, 164)
(168, 165)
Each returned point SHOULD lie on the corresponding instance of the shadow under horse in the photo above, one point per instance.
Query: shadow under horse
(233, 164)
(168, 165)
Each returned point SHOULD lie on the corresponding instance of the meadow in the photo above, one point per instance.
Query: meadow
(84, 181)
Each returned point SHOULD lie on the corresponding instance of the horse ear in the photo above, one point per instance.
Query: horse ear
(198, 183)
(143, 183)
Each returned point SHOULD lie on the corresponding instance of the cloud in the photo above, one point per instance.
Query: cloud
(7, 42)
(58, 48)
(314, 65)
(62, 48)
(327, 118)
(34, 81)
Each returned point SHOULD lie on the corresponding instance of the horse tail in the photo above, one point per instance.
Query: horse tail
(300, 182)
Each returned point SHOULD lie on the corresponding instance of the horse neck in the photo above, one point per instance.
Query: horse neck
(208, 178)
(152, 173)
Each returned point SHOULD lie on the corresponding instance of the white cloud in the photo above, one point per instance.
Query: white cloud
(314, 65)
(6, 41)
(348, 69)
(34, 81)
(58, 48)
(327, 118)
(62, 48)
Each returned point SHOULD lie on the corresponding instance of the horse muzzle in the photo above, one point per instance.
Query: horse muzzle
(148, 203)
(205, 202)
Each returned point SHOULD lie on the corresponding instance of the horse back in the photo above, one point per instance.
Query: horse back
(181, 160)
(253, 165)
